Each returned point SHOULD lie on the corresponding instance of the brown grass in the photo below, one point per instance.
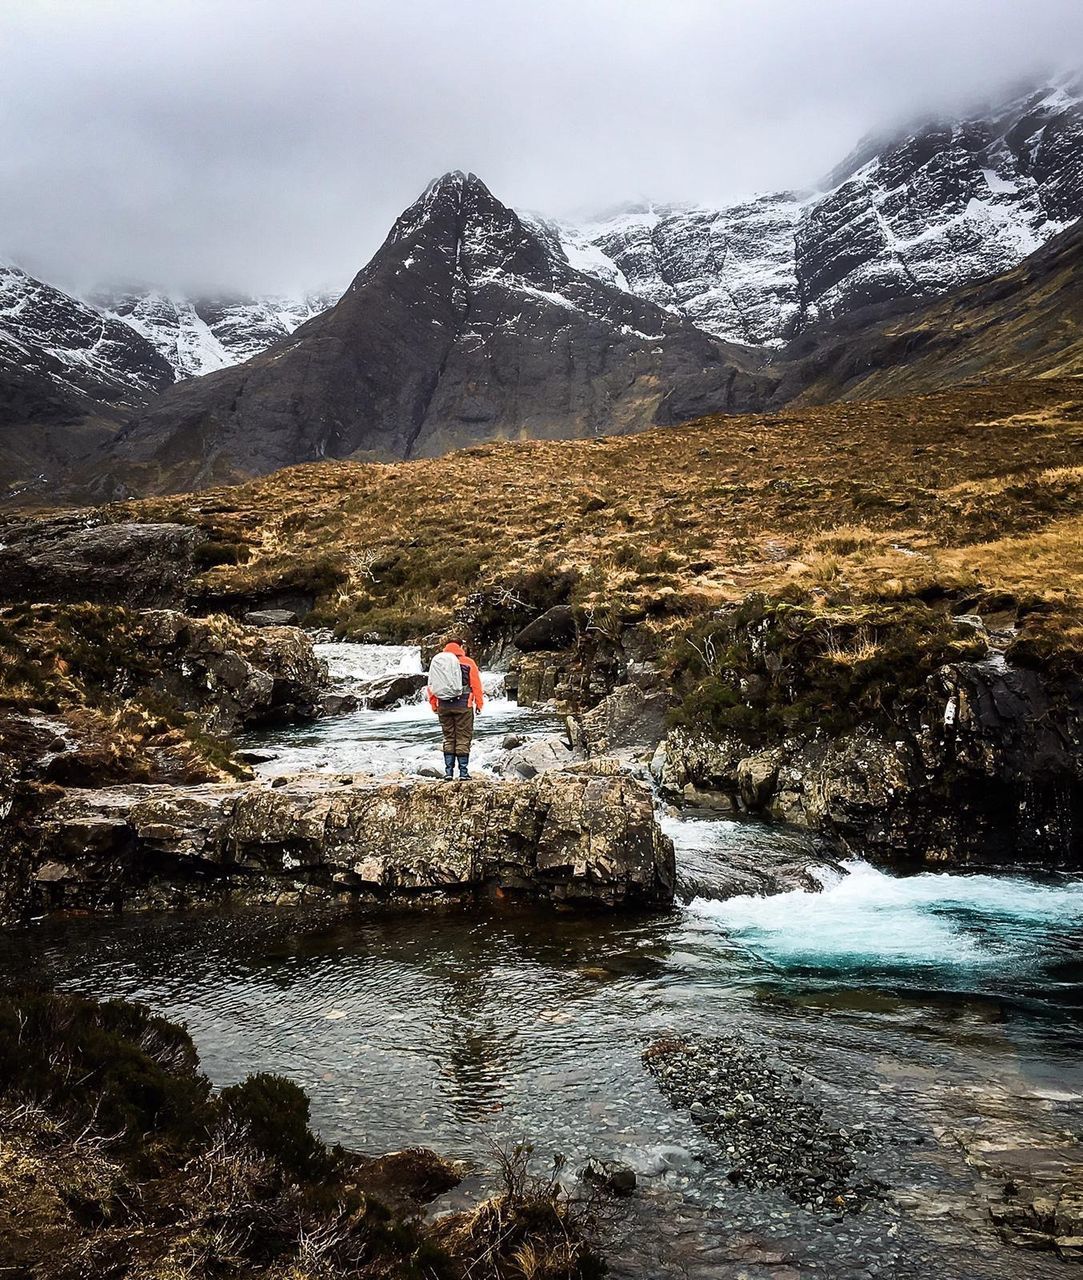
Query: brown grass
(963, 492)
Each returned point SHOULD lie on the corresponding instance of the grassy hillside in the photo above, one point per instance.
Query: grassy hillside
(974, 496)
(1023, 324)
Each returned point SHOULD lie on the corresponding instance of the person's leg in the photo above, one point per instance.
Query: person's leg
(464, 737)
(449, 726)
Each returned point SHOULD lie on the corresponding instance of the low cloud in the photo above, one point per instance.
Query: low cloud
(267, 145)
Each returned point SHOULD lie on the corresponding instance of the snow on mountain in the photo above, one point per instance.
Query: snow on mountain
(201, 335)
(49, 335)
(912, 216)
(906, 217)
(730, 271)
(466, 325)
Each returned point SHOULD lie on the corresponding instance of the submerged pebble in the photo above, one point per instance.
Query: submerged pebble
(763, 1124)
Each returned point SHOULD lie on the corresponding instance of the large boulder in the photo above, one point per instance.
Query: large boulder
(629, 719)
(541, 755)
(235, 675)
(564, 838)
(699, 769)
(69, 560)
(379, 695)
(557, 628)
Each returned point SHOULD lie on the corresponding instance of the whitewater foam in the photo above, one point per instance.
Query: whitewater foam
(868, 919)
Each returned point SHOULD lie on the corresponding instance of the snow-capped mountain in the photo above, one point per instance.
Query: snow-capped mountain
(473, 322)
(200, 335)
(50, 336)
(912, 216)
(464, 326)
(731, 271)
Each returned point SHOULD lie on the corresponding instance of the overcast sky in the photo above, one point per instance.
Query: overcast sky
(269, 144)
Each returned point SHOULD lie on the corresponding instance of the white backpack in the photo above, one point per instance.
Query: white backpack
(446, 677)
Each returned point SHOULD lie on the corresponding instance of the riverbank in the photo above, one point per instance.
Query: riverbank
(931, 1018)
(117, 1158)
(863, 619)
(696, 620)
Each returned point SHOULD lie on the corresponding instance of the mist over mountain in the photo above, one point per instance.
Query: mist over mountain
(475, 322)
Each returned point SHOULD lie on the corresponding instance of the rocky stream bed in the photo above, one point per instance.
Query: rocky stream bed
(878, 1078)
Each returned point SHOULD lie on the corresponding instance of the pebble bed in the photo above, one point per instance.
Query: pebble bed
(763, 1126)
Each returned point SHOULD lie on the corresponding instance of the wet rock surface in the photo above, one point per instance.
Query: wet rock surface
(763, 860)
(528, 759)
(564, 838)
(764, 1126)
(983, 770)
(379, 695)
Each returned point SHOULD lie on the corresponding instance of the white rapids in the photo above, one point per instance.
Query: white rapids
(403, 739)
(867, 919)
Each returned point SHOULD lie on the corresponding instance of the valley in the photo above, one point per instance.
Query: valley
(749, 948)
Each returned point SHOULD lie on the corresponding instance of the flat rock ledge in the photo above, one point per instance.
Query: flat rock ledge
(563, 838)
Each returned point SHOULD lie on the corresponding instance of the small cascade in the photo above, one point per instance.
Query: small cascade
(403, 739)
(718, 858)
(959, 928)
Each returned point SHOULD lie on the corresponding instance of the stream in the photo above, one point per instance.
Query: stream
(940, 1013)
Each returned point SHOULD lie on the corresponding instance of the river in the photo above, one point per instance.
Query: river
(940, 1013)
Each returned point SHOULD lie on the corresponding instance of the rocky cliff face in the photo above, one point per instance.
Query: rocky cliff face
(914, 215)
(983, 770)
(465, 326)
(200, 335)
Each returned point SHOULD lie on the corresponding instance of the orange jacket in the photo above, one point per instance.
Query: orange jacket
(476, 700)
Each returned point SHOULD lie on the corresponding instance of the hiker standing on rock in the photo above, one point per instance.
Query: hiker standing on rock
(455, 693)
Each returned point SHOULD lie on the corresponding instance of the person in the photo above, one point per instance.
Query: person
(456, 710)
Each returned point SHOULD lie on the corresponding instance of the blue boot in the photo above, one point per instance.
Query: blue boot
(449, 766)
(464, 770)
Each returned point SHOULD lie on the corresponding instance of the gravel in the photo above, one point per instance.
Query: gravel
(763, 1125)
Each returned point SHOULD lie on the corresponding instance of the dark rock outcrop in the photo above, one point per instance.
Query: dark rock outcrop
(557, 628)
(465, 326)
(70, 560)
(564, 838)
(234, 675)
(985, 770)
(379, 695)
(628, 719)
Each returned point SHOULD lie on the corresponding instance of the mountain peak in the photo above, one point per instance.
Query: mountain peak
(454, 183)
(442, 205)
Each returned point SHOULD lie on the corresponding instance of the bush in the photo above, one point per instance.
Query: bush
(507, 606)
(275, 1115)
(113, 1065)
(212, 552)
(768, 667)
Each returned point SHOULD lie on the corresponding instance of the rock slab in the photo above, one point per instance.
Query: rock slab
(562, 838)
